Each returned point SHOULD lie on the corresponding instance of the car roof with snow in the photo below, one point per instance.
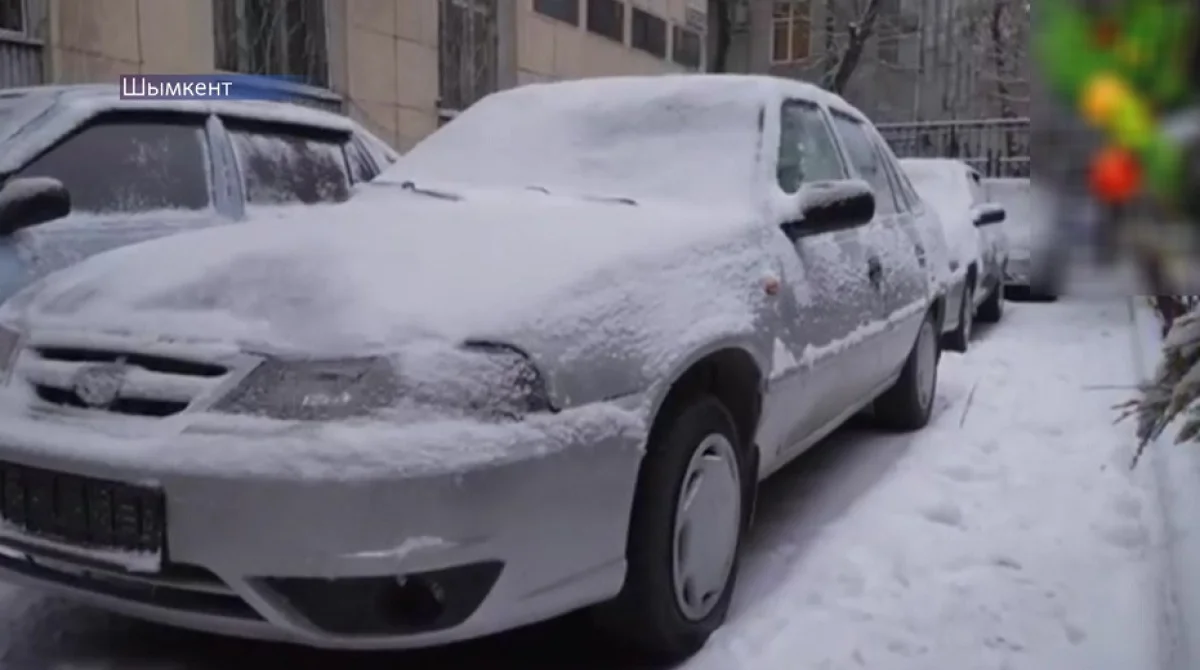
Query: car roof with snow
(679, 137)
(32, 118)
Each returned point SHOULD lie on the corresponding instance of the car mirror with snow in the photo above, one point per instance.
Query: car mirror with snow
(985, 215)
(827, 206)
(29, 201)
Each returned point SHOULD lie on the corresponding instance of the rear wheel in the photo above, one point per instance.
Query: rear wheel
(687, 524)
(908, 404)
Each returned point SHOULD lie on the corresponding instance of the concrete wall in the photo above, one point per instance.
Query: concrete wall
(383, 54)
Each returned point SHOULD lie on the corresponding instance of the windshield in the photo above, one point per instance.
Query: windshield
(941, 184)
(623, 137)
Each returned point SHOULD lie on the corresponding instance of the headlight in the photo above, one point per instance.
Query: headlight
(318, 390)
(8, 349)
(482, 380)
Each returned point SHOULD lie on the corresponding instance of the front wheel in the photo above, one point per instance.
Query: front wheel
(684, 536)
(908, 404)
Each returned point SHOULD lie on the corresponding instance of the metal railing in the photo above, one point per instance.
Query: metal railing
(994, 147)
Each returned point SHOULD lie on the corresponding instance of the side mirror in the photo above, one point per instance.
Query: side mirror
(986, 215)
(829, 206)
(29, 201)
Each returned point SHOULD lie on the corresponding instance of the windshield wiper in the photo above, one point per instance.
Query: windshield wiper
(593, 198)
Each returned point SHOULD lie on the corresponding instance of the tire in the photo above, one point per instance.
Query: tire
(908, 404)
(960, 339)
(649, 615)
(992, 309)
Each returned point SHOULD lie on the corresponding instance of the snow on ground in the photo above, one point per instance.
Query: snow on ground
(1010, 535)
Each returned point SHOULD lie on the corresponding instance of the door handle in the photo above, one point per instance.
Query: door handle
(874, 271)
(921, 259)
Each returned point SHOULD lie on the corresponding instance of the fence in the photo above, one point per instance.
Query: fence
(994, 147)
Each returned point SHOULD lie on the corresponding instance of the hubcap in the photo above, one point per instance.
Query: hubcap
(926, 365)
(708, 516)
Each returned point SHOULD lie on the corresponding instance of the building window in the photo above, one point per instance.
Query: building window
(12, 16)
(648, 33)
(563, 10)
(687, 48)
(888, 42)
(468, 52)
(272, 37)
(607, 19)
(791, 31)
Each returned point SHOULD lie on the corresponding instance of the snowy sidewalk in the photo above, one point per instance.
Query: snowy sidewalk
(1009, 535)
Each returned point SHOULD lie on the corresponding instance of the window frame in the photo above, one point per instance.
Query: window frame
(546, 8)
(870, 135)
(654, 21)
(677, 56)
(232, 50)
(198, 121)
(794, 13)
(240, 125)
(621, 16)
(21, 32)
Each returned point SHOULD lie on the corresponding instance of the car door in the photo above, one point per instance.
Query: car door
(132, 176)
(895, 242)
(281, 165)
(820, 366)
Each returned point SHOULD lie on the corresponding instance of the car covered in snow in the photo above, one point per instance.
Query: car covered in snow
(138, 169)
(978, 245)
(1027, 226)
(538, 365)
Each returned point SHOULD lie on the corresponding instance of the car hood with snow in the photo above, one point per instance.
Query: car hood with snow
(564, 279)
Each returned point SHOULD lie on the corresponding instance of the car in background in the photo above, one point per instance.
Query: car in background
(1027, 227)
(978, 246)
(539, 365)
(138, 169)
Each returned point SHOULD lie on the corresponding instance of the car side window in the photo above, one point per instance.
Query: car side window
(131, 163)
(904, 201)
(362, 167)
(290, 164)
(860, 148)
(807, 151)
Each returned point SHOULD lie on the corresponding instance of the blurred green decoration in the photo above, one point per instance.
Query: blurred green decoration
(1127, 69)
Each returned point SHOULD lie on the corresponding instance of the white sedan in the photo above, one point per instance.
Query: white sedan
(978, 247)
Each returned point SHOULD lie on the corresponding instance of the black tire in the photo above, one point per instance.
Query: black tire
(905, 406)
(646, 616)
(960, 339)
(992, 309)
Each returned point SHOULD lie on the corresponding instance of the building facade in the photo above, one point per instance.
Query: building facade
(927, 60)
(399, 66)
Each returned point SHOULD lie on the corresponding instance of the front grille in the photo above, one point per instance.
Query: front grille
(154, 385)
(82, 511)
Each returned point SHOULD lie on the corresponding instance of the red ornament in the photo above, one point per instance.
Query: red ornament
(1106, 33)
(1115, 175)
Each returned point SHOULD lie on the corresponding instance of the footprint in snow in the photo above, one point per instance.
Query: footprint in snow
(1075, 634)
(1125, 536)
(945, 513)
(1127, 507)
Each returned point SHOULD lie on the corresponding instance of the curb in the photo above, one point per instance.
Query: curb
(1176, 470)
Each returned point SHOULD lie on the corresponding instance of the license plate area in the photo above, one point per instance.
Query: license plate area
(105, 520)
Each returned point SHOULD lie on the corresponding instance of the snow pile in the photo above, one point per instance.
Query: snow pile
(942, 184)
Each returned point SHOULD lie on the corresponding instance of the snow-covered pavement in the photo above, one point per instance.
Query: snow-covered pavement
(1010, 534)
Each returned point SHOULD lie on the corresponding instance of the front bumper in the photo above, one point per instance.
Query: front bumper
(311, 548)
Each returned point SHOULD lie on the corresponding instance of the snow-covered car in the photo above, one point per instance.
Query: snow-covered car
(977, 244)
(538, 365)
(138, 169)
(1028, 228)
